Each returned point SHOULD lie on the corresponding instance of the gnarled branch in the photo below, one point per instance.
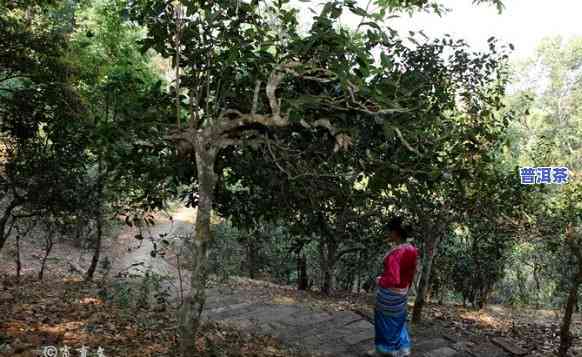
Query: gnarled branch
(406, 144)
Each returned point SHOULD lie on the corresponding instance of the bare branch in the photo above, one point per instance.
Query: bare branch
(232, 119)
(178, 14)
(193, 112)
(240, 119)
(348, 251)
(226, 142)
(332, 76)
(572, 241)
(256, 98)
(342, 142)
(406, 144)
(277, 161)
(272, 85)
(229, 112)
(326, 124)
(209, 65)
(14, 76)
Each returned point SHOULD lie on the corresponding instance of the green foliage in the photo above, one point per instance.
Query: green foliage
(526, 281)
(42, 119)
(264, 252)
(128, 109)
(87, 121)
(550, 122)
(402, 115)
(435, 6)
(150, 291)
(226, 254)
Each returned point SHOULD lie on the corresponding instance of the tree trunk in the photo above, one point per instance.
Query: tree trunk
(369, 284)
(536, 274)
(359, 274)
(48, 248)
(436, 287)
(4, 221)
(100, 212)
(480, 302)
(326, 286)
(474, 298)
(303, 279)
(19, 235)
(18, 262)
(429, 292)
(565, 335)
(322, 264)
(328, 261)
(427, 258)
(350, 282)
(177, 45)
(483, 297)
(416, 283)
(442, 292)
(97, 252)
(190, 311)
(251, 256)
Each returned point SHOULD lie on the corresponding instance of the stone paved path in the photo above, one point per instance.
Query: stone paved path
(341, 333)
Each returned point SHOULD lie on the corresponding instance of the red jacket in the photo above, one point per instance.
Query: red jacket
(399, 267)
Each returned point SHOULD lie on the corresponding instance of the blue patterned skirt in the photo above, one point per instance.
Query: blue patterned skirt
(390, 324)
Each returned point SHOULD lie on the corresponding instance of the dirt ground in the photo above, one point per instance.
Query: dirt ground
(67, 309)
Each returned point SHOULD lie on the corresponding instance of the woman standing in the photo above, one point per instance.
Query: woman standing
(390, 314)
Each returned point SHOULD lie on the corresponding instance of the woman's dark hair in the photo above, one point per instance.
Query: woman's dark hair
(395, 224)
